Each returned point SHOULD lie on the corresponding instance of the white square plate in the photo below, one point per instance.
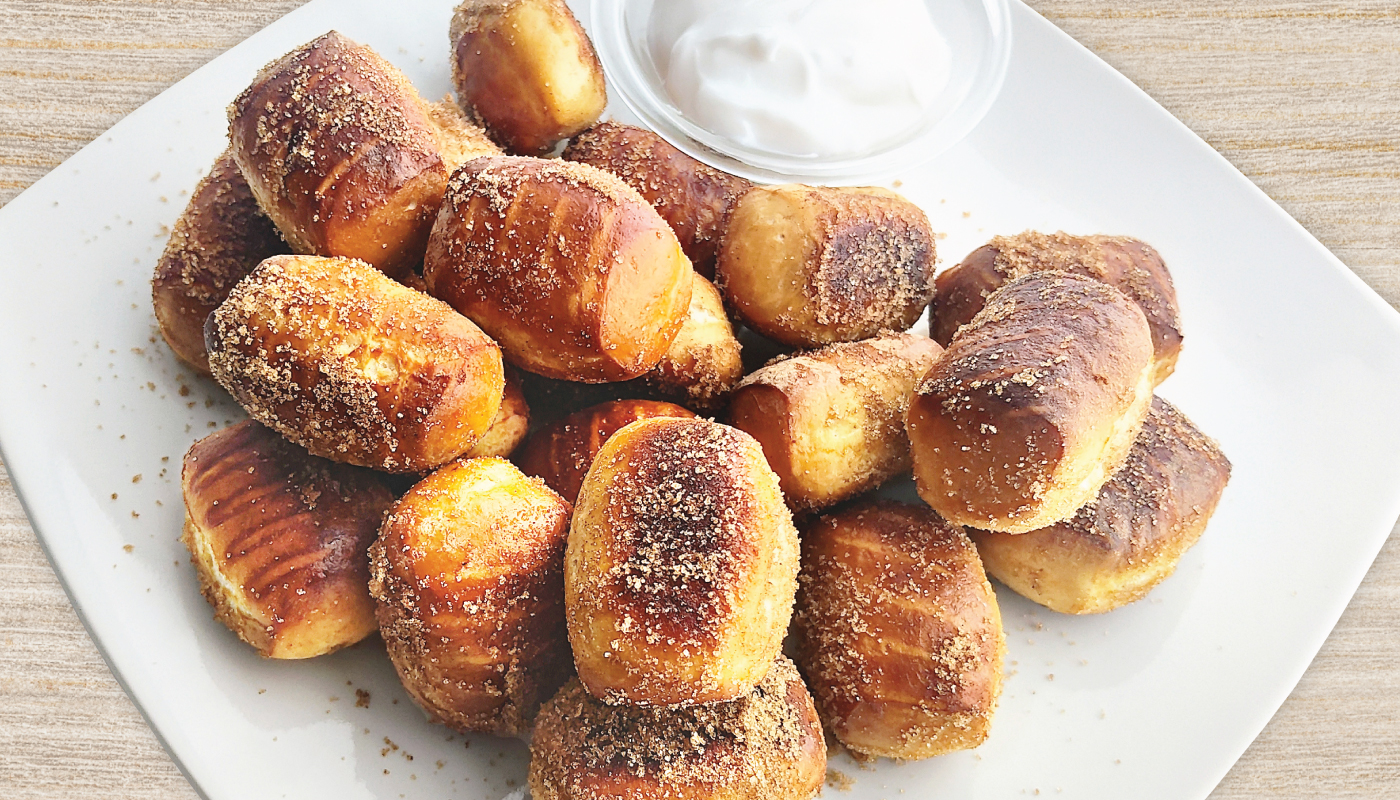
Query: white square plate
(1290, 360)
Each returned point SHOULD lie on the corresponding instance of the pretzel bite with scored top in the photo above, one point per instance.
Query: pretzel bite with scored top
(681, 566)
(704, 362)
(813, 265)
(561, 452)
(898, 631)
(510, 425)
(1034, 405)
(766, 745)
(694, 198)
(831, 421)
(1130, 266)
(220, 237)
(341, 153)
(527, 71)
(467, 572)
(354, 366)
(278, 539)
(1130, 537)
(563, 264)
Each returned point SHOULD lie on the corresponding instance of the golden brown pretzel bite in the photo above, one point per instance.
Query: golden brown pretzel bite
(527, 71)
(354, 366)
(561, 452)
(704, 362)
(459, 140)
(831, 421)
(1128, 265)
(1034, 405)
(278, 538)
(1131, 536)
(767, 745)
(218, 239)
(510, 425)
(694, 198)
(341, 154)
(810, 265)
(681, 565)
(899, 633)
(563, 264)
(467, 573)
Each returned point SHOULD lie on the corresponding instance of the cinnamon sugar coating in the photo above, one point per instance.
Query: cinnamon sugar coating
(341, 153)
(354, 366)
(766, 745)
(526, 71)
(811, 265)
(1129, 265)
(561, 453)
(694, 198)
(220, 237)
(831, 421)
(467, 572)
(1034, 405)
(898, 631)
(563, 264)
(1131, 535)
(279, 538)
(681, 565)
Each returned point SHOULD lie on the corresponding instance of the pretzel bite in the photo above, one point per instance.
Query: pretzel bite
(898, 631)
(561, 453)
(831, 421)
(459, 139)
(1128, 265)
(219, 238)
(467, 575)
(341, 154)
(278, 539)
(704, 362)
(694, 198)
(563, 264)
(511, 423)
(812, 265)
(353, 366)
(527, 71)
(1034, 405)
(681, 566)
(1131, 536)
(766, 745)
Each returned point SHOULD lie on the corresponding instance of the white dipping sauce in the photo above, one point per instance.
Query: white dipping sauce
(818, 78)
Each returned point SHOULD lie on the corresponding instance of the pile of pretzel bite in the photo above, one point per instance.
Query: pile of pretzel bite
(683, 584)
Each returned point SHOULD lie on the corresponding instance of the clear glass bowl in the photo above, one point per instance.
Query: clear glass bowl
(977, 31)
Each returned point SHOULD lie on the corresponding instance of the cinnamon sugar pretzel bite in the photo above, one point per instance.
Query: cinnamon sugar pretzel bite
(278, 539)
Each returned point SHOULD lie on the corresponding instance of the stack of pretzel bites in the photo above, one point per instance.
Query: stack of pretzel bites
(388, 285)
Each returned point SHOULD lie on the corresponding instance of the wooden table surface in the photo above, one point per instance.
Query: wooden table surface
(1303, 97)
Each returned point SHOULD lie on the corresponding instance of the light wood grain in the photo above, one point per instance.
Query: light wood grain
(1303, 97)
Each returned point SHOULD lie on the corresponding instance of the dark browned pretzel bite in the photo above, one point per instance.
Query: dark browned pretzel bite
(766, 745)
(527, 71)
(468, 575)
(564, 265)
(354, 366)
(681, 565)
(278, 538)
(1130, 537)
(1128, 265)
(831, 421)
(694, 198)
(341, 153)
(812, 265)
(218, 239)
(1034, 405)
(898, 631)
(561, 453)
